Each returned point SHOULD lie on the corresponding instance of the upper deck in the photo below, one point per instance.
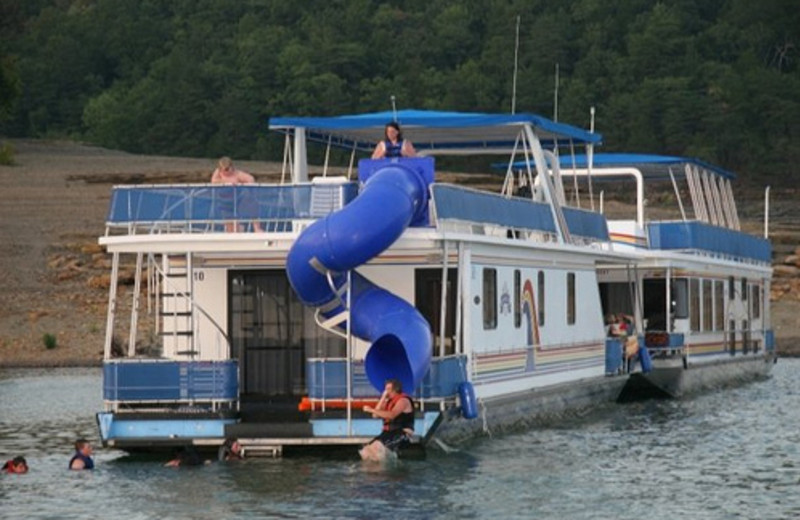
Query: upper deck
(166, 212)
(697, 198)
(206, 211)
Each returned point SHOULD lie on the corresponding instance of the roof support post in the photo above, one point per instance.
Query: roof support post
(137, 289)
(300, 171)
(560, 223)
(732, 201)
(677, 194)
(709, 196)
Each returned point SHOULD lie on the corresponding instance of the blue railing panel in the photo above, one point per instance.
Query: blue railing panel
(327, 379)
(467, 205)
(217, 202)
(134, 380)
(586, 224)
(769, 340)
(456, 203)
(444, 377)
(700, 236)
(613, 355)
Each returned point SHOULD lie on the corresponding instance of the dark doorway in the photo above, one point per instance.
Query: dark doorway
(428, 298)
(617, 297)
(655, 305)
(272, 334)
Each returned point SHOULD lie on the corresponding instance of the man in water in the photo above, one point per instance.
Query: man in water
(186, 456)
(16, 465)
(230, 450)
(397, 412)
(83, 456)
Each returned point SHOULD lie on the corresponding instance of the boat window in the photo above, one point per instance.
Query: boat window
(540, 297)
(694, 305)
(719, 305)
(756, 301)
(517, 299)
(570, 298)
(744, 289)
(708, 310)
(680, 299)
(489, 298)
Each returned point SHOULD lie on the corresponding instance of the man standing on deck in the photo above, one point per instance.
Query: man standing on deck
(227, 173)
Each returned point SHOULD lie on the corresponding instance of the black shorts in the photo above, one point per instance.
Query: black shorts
(393, 439)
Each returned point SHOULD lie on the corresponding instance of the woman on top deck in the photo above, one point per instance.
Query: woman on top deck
(393, 144)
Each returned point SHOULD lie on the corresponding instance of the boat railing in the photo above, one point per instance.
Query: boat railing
(206, 208)
(702, 238)
(621, 356)
(326, 379)
(467, 210)
(136, 382)
(663, 343)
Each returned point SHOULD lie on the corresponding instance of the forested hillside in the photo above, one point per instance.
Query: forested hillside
(717, 79)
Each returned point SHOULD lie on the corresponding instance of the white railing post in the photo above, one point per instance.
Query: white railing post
(112, 304)
(137, 287)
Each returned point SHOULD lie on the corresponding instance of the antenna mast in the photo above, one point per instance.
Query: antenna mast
(555, 104)
(514, 80)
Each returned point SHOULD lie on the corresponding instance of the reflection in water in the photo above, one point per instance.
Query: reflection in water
(728, 454)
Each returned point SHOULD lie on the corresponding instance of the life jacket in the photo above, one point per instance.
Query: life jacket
(402, 421)
(393, 149)
(88, 463)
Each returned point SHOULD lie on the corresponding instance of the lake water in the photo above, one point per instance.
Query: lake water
(728, 454)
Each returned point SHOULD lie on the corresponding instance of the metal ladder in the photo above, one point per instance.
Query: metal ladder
(176, 312)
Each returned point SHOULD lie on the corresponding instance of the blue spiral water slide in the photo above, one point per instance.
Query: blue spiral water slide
(394, 197)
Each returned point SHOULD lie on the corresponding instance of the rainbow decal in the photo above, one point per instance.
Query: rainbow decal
(715, 347)
(624, 238)
(509, 365)
(529, 310)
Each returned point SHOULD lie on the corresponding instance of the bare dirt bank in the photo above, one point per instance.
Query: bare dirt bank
(52, 210)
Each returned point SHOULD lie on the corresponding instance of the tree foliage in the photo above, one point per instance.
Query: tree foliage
(718, 79)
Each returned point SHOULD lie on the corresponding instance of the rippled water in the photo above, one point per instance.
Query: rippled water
(727, 454)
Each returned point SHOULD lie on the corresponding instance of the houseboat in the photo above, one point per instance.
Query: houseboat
(274, 313)
(699, 288)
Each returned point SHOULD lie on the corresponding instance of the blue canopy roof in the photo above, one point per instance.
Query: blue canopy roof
(434, 131)
(652, 166)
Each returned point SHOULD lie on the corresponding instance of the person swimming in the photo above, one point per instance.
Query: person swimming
(186, 456)
(82, 459)
(16, 465)
(230, 450)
